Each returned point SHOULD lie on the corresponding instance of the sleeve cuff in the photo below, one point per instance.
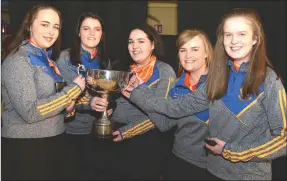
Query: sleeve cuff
(224, 146)
(77, 85)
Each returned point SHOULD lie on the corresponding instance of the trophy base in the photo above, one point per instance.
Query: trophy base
(103, 131)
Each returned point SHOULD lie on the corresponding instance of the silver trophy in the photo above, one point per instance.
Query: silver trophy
(105, 83)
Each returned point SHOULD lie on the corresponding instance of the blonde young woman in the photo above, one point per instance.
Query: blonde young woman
(188, 159)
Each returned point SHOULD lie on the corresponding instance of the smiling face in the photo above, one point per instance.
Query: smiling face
(238, 39)
(44, 30)
(140, 47)
(90, 34)
(192, 55)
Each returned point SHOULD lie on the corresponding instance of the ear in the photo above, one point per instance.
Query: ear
(254, 41)
(152, 45)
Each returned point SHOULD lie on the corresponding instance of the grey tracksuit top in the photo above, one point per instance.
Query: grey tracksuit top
(136, 120)
(82, 117)
(255, 129)
(191, 131)
(33, 109)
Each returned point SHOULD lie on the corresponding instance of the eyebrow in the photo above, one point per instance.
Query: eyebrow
(137, 39)
(49, 22)
(243, 31)
(190, 47)
(94, 27)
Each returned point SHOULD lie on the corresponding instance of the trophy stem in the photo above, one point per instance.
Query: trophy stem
(103, 127)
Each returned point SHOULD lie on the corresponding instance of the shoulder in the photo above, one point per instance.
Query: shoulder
(64, 55)
(271, 76)
(15, 59)
(165, 68)
(15, 63)
(272, 79)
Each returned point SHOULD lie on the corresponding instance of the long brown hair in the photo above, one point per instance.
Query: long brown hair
(186, 36)
(24, 31)
(218, 75)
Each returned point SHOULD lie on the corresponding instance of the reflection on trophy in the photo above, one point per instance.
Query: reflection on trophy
(104, 83)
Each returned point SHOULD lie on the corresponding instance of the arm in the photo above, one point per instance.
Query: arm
(265, 148)
(190, 104)
(18, 77)
(125, 111)
(143, 125)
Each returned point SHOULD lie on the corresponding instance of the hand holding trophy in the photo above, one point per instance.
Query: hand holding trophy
(104, 83)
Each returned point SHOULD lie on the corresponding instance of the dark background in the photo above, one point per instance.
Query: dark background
(119, 16)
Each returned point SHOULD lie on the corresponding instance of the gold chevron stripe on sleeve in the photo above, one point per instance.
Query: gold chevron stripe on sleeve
(283, 110)
(267, 148)
(47, 109)
(251, 104)
(140, 129)
(151, 84)
(267, 151)
(136, 128)
(75, 94)
(129, 135)
(284, 97)
(55, 108)
(56, 104)
(56, 100)
(170, 80)
(60, 102)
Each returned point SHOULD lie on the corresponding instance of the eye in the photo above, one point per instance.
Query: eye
(227, 34)
(98, 29)
(141, 41)
(195, 50)
(85, 28)
(130, 42)
(242, 34)
(45, 25)
(182, 51)
(57, 27)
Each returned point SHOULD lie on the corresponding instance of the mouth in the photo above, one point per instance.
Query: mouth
(49, 39)
(189, 61)
(235, 48)
(91, 38)
(136, 53)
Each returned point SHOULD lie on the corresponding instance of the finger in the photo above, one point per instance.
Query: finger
(209, 147)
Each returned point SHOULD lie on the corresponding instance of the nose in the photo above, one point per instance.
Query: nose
(92, 32)
(51, 31)
(135, 45)
(234, 39)
(188, 54)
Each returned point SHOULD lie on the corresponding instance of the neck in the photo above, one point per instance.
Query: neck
(238, 62)
(144, 63)
(35, 44)
(90, 50)
(195, 76)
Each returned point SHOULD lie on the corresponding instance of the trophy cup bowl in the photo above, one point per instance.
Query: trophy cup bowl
(105, 83)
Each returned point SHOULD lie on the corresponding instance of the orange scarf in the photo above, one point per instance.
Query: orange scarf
(236, 66)
(144, 72)
(94, 53)
(187, 82)
(51, 63)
